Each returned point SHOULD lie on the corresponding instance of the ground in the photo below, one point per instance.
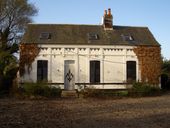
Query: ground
(148, 112)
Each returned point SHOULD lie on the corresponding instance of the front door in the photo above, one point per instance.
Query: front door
(69, 74)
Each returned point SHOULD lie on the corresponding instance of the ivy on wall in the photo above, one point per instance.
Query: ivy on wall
(28, 52)
(149, 63)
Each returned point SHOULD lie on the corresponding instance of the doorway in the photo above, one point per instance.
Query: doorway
(69, 74)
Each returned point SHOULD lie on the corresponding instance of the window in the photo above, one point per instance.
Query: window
(127, 37)
(93, 36)
(94, 71)
(131, 71)
(45, 35)
(42, 70)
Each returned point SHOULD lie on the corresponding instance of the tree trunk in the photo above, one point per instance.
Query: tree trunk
(1, 80)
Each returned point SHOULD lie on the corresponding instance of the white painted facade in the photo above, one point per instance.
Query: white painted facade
(112, 64)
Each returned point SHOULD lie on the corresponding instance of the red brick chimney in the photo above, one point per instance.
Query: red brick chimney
(108, 20)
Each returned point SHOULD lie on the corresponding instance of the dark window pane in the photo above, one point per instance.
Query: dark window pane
(97, 71)
(45, 35)
(94, 71)
(131, 71)
(42, 70)
(127, 37)
(93, 36)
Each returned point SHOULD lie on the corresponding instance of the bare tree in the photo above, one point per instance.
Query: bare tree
(14, 17)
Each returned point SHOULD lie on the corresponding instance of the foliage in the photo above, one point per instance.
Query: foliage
(3, 93)
(149, 63)
(28, 52)
(138, 90)
(143, 89)
(8, 69)
(91, 92)
(166, 67)
(7, 62)
(165, 76)
(14, 16)
(103, 93)
(40, 89)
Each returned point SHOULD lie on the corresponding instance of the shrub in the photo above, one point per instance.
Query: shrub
(143, 89)
(103, 93)
(40, 89)
(90, 92)
(3, 93)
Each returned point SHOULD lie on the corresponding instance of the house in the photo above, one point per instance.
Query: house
(106, 56)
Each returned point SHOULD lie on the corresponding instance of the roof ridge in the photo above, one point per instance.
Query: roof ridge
(64, 24)
(130, 26)
(46, 24)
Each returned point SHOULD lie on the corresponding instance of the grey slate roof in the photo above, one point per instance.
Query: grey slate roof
(78, 35)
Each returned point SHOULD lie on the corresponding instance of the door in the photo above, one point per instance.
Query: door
(69, 74)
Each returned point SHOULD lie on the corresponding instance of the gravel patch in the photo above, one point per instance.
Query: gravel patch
(86, 113)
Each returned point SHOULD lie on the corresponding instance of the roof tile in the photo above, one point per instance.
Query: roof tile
(77, 35)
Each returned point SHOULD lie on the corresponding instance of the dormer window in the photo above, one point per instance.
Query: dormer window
(93, 36)
(45, 35)
(127, 37)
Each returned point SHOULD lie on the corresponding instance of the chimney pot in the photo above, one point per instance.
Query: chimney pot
(109, 12)
(105, 12)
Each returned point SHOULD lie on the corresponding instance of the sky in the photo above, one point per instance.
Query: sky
(154, 14)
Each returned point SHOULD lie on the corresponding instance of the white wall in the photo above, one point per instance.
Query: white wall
(113, 62)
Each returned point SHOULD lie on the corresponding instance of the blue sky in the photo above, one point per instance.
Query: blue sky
(155, 14)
